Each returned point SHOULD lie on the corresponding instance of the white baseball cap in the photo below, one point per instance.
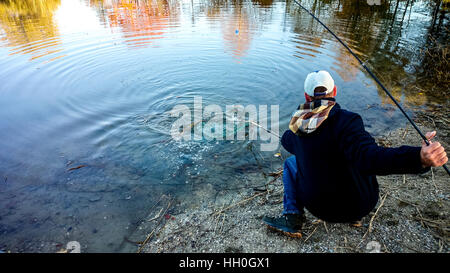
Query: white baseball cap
(316, 79)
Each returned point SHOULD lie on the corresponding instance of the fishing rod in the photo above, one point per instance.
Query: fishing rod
(373, 76)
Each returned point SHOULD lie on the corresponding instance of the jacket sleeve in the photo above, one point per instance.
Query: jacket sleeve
(362, 151)
(287, 141)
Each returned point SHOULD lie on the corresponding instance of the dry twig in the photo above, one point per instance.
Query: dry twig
(153, 231)
(325, 225)
(309, 236)
(240, 202)
(369, 230)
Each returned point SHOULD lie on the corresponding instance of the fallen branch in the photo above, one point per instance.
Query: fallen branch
(325, 225)
(406, 202)
(435, 222)
(310, 235)
(157, 216)
(406, 131)
(420, 214)
(240, 202)
(369, 230)
(432, 180)
(276, 174)
(153, 231)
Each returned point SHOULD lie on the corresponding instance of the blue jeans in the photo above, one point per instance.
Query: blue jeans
(291, 201)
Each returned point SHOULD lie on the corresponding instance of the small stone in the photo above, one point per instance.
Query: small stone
(95, 198)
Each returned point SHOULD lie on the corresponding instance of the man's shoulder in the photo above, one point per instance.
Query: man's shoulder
(346, 120)
(346, 114)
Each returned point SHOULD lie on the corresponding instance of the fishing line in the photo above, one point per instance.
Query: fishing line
(373, 76)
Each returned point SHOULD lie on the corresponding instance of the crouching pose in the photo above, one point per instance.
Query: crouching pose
(333, 171)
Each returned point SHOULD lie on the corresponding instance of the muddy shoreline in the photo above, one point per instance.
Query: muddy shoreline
(412, 215)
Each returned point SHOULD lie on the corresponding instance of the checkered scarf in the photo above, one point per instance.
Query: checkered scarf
(310, 116)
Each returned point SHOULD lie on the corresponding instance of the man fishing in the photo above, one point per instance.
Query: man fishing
(333, 172)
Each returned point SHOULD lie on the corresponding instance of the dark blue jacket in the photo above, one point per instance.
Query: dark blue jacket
(337, 165)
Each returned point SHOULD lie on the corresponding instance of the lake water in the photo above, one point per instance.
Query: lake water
(89, 84)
